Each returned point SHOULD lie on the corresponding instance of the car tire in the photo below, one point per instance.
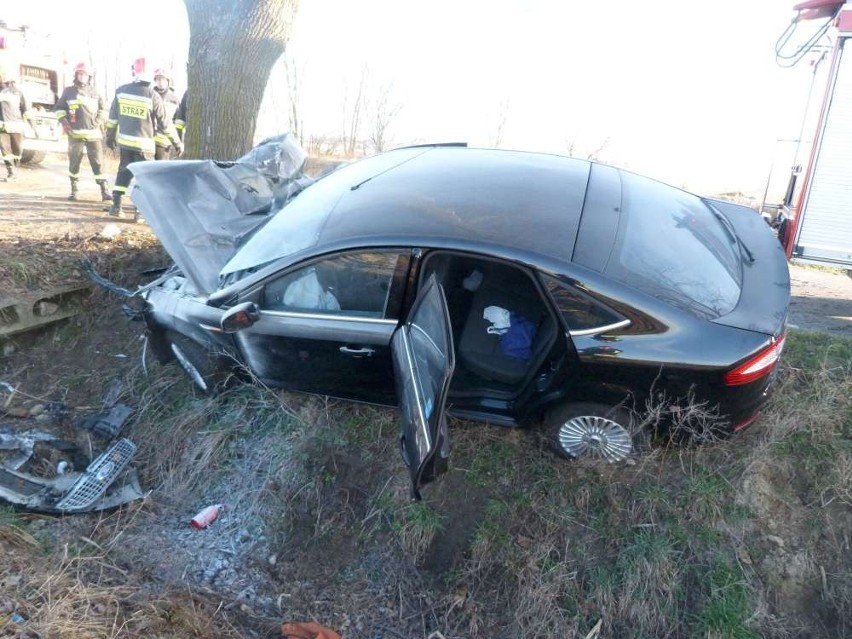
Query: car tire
(588, 430)
(32, 157)
(207, 371)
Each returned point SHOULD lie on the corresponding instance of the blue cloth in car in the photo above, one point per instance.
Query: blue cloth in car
(518, 339)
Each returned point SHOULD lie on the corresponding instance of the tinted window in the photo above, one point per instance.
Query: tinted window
(347, 284)
(430, 347)
(581, 312)
(672, 246)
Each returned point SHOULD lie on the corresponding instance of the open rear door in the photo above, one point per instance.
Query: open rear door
(423, 365)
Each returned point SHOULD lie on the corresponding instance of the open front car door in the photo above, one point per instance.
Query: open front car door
(423, 365)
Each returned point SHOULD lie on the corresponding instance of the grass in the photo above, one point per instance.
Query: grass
(737, 538)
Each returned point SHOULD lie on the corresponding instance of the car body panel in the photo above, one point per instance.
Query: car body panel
(766, 279)
(424, 359)
(345, 357)
(202, 210)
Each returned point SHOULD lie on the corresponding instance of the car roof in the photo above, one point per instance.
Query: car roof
(525, 200)
(413, 196)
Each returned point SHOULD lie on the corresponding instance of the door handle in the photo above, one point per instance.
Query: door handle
(358, 352)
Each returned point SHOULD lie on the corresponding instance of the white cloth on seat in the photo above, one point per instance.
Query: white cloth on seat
(499, 318)
(307, 292)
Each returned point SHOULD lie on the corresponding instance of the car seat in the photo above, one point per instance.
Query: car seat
(480, 352)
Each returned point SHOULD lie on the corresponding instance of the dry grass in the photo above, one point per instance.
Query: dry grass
(79, 591)
(740, 538)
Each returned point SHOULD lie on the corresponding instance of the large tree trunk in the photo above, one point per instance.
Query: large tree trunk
(233, 45)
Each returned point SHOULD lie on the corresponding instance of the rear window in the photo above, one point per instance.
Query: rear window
(673, 246)
(581, 313)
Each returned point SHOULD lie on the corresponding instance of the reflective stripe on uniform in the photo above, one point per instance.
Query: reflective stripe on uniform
(135, 142)
(120, 189)
(90, 103)
(161, 139)
(15, 126)
(134, 106)
(86, 134)
(111, 124)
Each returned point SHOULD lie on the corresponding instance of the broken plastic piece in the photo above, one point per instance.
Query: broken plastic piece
(70, 491)
(113, 392)
(24, 443)
(108, 425)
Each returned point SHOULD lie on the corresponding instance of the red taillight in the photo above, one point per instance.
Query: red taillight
(758, 366)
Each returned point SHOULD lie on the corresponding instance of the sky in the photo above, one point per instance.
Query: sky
(688, 92)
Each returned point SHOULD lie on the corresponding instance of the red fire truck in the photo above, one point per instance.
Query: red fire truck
(819, 228)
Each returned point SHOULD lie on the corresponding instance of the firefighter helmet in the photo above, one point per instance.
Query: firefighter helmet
(140, 72)
(82, 68)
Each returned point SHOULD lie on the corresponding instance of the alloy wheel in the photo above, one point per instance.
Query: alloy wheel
(594, 436)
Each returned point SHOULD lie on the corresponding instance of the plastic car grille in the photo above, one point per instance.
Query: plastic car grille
(98, 476)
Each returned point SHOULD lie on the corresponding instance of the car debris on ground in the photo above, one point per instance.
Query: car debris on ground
(43, 472)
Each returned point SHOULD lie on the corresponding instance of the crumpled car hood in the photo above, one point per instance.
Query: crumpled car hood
(203, 210)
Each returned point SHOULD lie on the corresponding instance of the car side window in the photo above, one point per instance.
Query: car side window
(356, 283)
(580, 311)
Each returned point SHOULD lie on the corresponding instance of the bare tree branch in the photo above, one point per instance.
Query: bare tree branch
(385, 109)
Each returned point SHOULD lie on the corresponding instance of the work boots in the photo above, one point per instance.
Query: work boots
(115, 209)
(105, 194)
(10, 172)
(73, 196)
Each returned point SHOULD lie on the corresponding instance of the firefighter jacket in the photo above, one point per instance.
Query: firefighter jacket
(171, 104)
(82, 110)
(14, 108)
(135, 115)
(180, 116)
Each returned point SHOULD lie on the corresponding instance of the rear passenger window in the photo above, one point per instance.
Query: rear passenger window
(580, 311)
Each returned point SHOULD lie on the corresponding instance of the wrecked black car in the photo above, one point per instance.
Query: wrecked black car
(495, 285)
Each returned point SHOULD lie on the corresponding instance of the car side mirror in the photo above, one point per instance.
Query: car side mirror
(239, 317)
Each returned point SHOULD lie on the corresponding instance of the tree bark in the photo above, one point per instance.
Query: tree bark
(233, 45)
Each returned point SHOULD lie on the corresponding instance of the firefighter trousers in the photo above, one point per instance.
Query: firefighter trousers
(127, 156)
(76, 149)
(11, 145)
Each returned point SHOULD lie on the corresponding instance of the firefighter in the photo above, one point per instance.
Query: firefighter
(14, 110)
(82, 113)
(180, 117)
(171, 103)
(135, 115)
